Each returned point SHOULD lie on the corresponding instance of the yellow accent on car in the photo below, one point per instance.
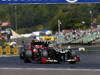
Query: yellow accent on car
(47, 38)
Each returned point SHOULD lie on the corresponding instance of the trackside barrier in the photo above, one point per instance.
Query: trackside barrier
(8, 51)
(1, 51)
(16, 51)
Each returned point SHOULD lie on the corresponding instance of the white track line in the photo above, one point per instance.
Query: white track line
(9, 56)
(50, 69)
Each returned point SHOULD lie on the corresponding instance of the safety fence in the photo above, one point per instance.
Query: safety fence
(9, 51)
(92, 37)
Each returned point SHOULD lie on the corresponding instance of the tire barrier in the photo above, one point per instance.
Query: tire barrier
(9, 51)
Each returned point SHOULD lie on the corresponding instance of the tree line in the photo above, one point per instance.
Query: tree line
(27, 17)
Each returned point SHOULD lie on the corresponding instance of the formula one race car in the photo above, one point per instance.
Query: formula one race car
(68, 55)
(40, 52)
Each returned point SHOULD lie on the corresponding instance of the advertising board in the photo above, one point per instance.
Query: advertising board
(46, 1)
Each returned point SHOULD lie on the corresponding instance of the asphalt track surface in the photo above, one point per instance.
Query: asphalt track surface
(89, 65)
(88, 61)
(46, 72)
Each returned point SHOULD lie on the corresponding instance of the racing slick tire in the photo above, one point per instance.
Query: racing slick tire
(28, 56)
(28, 53)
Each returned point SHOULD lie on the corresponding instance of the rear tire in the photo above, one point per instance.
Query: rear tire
(28, 56)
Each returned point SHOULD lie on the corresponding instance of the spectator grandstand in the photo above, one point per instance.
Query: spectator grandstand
(79, 36)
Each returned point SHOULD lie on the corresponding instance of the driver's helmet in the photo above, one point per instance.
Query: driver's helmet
(50, 45)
